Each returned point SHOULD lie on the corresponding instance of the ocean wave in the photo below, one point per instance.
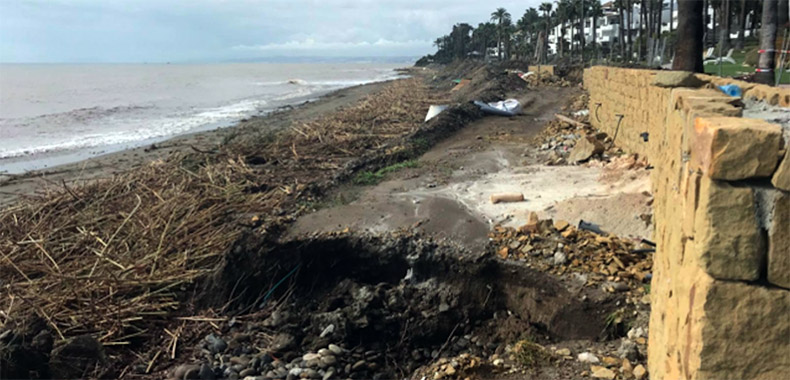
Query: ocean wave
(163, 127)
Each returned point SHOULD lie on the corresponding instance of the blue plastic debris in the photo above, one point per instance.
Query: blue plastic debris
(731, 90)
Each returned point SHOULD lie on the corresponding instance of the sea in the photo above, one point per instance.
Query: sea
(54, 114)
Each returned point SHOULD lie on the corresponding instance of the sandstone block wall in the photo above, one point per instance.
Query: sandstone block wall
(721, 279)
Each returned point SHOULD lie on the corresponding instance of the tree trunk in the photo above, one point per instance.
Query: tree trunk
(672, 14)
(629, 11)
(741, 26)
(782, 16)
(688, 55)
(765, 65)
(621, 39)
(724, 26)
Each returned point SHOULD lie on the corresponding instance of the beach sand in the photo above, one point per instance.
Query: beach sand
(30, 183)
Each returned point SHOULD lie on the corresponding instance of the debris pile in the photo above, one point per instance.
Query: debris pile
(534, 79)
(559, 248)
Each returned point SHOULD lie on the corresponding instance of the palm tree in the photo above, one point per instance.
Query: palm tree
(482, 37)
(688, 55)
(596, 11)
(546, 9)
(765, 65)
(502, 18)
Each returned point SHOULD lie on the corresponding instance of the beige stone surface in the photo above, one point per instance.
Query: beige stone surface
(779, 243)
(733, 148)
(781, 178)
(727, 236)
(746, 334)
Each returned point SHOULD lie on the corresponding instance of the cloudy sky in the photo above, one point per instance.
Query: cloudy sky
(219, 30)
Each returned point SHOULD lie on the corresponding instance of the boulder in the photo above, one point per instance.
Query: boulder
(585, 148)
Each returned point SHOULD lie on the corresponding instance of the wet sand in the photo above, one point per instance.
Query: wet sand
(30, 183)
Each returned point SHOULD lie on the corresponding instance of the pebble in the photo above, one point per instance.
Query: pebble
(328, 360)
(564, 352)
(628, 350)
(586, 357)
(599, 372)
(206, 373)
(309, 373)
(639, 372)
(328, 375)
(560, 258)
(358, 365)
(296, 371)
(186, 371)
(247, 372)
(499, 362)
(310, 356)
(215, 344)
(335, 349)
(324, 352)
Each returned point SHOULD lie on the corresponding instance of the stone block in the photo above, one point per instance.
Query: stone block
(745, 332)
(781, 178)
(779, 241)
(732, 149)
(729, 244)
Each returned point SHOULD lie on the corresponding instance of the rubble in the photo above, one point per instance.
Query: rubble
(611, 262)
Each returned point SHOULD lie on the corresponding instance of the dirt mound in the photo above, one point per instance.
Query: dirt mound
(382, 305)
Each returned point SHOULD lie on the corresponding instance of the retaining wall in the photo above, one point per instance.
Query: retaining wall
(720, 292)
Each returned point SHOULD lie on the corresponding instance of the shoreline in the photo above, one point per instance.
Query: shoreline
(13, 186)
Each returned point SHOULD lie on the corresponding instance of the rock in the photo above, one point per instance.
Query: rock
(727, 237)
(587, 357)
(311, 356)
(677, 79)
(328, 374)
(282, 342)
(328, 330)
(206, 373)
(253, 378)
(563, 352)
(599, 372)
(639, 372)
(560, 258)
(337, 350)
(449, 371)
(620, 287)
(358, 365)
(779, 241)
(77, 356)
(610, 361)
(781, 178)
(628, 350)
(532, 223)
(626, 368)
(636, 332)
(309, 373)
(215, 344)
(585, 148)
(295, 371)
(498, 362)
(328, 360)
(324, 352)
(247, 372)
(755, 155)
(561, 225)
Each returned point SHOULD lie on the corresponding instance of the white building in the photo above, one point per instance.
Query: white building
(608, 26)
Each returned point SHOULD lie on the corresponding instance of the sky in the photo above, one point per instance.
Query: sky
(54, 31)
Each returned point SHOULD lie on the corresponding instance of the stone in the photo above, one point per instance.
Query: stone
(310, 356)
(532, 223)
(639, 372)
(626, 368)
(450, 370)
(610, 361)
(734, 148)
(247, 372)
(328, 360)
(560, 258)
(337, 350)
(727, 238)
(585, 148)
(282, 342)
(669, 79)
(358, 365)
(628, 350)
(561, 225)
(215, 344)
(779, 242)
(563, 352)
(587, 357)
(781, 178)
(206, 373)
(324, 352)
(599, 372)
